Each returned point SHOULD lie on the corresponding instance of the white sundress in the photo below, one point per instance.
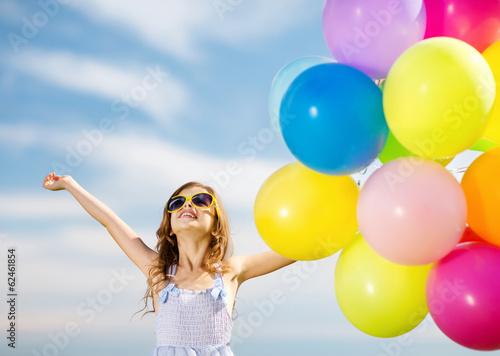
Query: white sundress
(193, 323)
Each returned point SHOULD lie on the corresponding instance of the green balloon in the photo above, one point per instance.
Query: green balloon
(483, 145)
(393, 149)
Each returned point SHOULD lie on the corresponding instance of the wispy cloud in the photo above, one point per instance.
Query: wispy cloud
(151, 88)
(16, 136)
(169, 25)
(158, 165)
(139, 158)
(29, 206)
(175, 27)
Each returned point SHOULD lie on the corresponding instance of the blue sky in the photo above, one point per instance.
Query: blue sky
(133, 99)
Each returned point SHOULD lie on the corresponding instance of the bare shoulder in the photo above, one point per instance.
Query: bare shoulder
(235, 265)
(233, 261)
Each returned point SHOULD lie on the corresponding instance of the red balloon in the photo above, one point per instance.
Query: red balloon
(476, 22)
(463, 295)
(469, 236)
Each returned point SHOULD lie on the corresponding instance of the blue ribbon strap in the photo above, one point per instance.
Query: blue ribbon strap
(218, 291)
(169, 289)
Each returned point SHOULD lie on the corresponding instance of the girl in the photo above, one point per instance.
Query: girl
(192, 278)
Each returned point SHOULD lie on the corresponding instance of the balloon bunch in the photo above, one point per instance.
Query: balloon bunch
(414, 239)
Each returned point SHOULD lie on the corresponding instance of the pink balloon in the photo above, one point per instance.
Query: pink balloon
(370, 34)
(476, 22)
(463, 295)
(412, 211)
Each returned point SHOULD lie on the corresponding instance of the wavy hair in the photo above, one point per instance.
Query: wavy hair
(220, 247)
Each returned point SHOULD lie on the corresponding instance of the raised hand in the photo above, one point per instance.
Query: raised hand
(55, 182)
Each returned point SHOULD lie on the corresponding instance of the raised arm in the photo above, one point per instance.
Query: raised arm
(124, 236)
(247, 267)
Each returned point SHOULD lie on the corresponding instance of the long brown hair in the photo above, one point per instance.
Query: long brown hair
(220, 247)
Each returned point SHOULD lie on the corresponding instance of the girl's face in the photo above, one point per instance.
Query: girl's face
(190, 218)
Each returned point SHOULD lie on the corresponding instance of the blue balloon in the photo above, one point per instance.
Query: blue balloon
(332, 119)
(282, 81)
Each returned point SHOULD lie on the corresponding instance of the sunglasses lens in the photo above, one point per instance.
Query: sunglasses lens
(176, 203)
(202, 200)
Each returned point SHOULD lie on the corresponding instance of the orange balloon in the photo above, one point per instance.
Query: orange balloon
(481, 185)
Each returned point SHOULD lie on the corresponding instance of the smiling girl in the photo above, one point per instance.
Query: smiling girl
(192, 277)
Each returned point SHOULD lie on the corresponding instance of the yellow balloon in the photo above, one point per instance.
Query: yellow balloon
(438, 97)
(305, 215)
(492, 56)
(378, 297)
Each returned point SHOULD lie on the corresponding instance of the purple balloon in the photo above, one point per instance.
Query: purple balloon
(370, 34)
(463, 295)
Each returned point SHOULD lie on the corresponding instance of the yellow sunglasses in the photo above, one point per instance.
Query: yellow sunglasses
(199, 200)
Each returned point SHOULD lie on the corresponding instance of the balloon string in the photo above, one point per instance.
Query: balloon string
(458, 170)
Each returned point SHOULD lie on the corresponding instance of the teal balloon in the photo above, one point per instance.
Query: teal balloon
(282, 81)
(332, 119)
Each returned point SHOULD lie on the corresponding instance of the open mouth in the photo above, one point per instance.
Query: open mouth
(188, 214)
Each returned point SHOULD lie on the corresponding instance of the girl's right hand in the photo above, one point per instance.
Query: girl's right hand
(55, 182)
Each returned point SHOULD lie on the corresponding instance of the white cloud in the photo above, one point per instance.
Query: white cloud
(17, 136)
(166, 24)
(51, 264)
(176, 26)
(89, 239)
(160, 166)
(162, 95)
(78, 73)
(151, 166)
(37, 206)
(20, 136)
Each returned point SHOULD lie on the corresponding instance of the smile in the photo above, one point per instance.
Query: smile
(188, 214)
